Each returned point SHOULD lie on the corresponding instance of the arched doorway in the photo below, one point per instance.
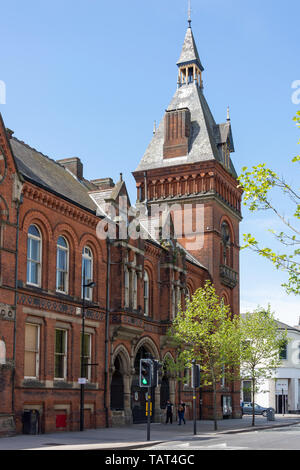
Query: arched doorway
(138, 394)
(164, 391)
(117, 387)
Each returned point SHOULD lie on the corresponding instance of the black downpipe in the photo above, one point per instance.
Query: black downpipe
(15, 307)
(107, 331)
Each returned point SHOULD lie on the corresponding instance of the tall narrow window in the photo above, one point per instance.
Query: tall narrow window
(173, 307)
(62, 265)
(126, 283)
(34, 256)
(134, 293)
(146, 293)
(31, 360)
(283, 351)
(60, 354)
(87, 272)
(226, 243)
(86, 356)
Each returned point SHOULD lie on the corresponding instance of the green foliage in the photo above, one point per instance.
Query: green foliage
(207, 332)
(262, 343)
(258, 185)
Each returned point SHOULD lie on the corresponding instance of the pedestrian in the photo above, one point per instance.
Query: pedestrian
(169, 415)
(181, 411)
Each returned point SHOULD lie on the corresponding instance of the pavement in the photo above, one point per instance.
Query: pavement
(135, 436)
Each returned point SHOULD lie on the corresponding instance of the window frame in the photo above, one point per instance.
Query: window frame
(134, 290)
(146, 294)
(58, 270)
(88, 367)
(36, 351)
(88, 290)
(64, 354)
(31, 260)
(126, 287)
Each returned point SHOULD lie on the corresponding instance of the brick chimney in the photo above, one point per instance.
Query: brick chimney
(74, 165)
(103, 183)
(177, 132)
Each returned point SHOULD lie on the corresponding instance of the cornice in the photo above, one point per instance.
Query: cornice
(59, 205)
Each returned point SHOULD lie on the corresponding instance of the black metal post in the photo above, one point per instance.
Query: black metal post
(149, 412)
(82, 359)
(194, 411)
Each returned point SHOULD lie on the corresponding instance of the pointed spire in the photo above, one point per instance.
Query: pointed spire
(189, 53)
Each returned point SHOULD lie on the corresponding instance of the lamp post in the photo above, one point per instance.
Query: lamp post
(82, 381)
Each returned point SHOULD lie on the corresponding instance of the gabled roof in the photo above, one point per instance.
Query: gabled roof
(189, 53)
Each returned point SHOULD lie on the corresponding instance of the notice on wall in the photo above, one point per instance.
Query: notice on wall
(282, 386)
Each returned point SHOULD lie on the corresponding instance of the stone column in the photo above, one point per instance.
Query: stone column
(157, 413)
(127, 398)
(293, 405)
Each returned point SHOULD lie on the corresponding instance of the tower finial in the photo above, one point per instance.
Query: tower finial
(154, 127)
(228, 114)
(189, 13)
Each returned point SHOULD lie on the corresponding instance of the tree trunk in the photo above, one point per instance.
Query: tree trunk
(253, 402)
(215, 405)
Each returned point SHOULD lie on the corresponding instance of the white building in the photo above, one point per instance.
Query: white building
(282, 392)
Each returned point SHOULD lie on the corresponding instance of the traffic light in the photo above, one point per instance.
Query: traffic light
(157, 373)
(195, 375)
(146, 373)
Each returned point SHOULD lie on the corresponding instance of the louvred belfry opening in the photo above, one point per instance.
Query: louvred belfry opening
(177, 133)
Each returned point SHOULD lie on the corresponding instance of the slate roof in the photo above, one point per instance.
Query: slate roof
(206, 135)
(47, 173)
(189, 53)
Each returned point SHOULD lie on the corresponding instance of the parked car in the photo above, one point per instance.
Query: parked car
(258, 410)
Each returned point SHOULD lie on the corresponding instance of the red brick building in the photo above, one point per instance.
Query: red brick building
(50, 240)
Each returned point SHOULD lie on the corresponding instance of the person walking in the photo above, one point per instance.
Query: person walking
(169, 415)
(181, 411)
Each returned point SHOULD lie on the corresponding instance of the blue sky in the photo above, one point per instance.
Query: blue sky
(87, 78)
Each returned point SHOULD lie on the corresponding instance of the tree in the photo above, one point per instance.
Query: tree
(261, 343)
(258, 185)
(208, 333)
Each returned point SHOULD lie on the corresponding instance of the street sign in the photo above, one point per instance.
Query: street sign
(82, 380)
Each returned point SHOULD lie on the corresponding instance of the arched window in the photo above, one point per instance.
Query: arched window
(62, 265)
(146, 293)
(87, 272)
(34, 256)
(226, 245)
